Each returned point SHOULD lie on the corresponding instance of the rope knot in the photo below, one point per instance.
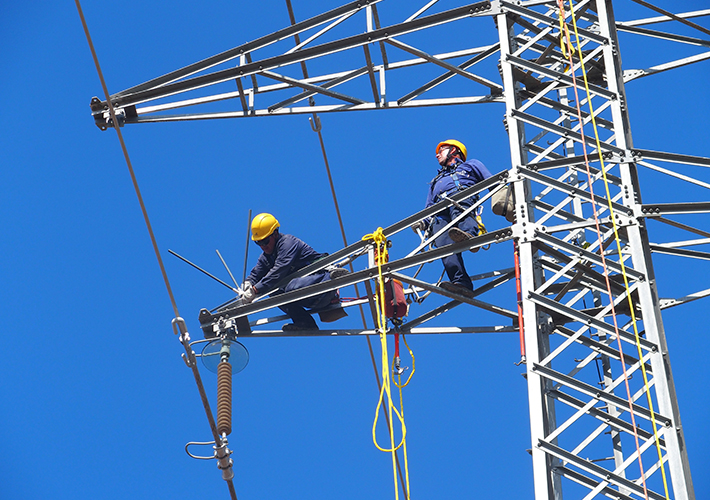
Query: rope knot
(381, 244)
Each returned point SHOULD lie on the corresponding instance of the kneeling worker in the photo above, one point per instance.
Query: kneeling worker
(284, 254)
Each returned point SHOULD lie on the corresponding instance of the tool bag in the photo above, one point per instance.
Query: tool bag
(395, 302)
(503, 203)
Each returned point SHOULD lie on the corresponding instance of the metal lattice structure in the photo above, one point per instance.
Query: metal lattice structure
(589, 299)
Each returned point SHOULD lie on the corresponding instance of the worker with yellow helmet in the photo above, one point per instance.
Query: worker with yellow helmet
(282, 255)
(456, 173)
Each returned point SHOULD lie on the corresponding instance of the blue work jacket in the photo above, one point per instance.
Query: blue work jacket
(454, 178)
(290, 254)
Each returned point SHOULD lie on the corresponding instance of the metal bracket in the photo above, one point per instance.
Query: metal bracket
(200, 443)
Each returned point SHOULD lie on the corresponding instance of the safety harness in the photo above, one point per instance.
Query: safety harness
(451, 172)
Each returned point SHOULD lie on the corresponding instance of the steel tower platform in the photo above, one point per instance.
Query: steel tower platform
(602, 400)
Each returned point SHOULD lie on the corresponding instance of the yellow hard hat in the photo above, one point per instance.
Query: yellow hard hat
(453, 142)
(262, 226)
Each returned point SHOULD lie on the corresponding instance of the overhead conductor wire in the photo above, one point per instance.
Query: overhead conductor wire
(317, 127)
(184, 337)
(618, 244)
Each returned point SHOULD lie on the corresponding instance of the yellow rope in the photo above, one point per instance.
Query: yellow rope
(404, 441)
(401, 386)
(621, 259)
(618, 244)
(481, 227)
(381, 257)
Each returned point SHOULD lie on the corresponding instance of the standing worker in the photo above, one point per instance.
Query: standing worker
(456, 173)
(284, 254)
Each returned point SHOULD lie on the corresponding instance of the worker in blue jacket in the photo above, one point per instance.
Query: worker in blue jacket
(284, 254)
(456, 173)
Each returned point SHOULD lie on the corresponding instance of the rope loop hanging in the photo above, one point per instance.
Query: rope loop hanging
(381, 257)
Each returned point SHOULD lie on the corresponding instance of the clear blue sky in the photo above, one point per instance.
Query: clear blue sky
(96, 402)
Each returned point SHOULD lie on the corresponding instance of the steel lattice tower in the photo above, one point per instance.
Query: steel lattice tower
(589, 298)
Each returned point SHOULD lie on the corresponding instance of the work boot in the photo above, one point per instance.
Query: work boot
(330, 315)
(456, 288)
(293, 327)
(459, 235)
(338, 272)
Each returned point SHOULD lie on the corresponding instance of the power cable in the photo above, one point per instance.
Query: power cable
(178, 323)
(317, 127)
(128, 160)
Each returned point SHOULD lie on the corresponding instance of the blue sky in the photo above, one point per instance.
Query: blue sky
(96, 400)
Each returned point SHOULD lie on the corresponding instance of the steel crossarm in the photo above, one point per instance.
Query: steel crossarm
(633, 74)
(311, 90)
(666, 36)
(487, 52)
(330, 332)
(248, 47)
(680, 252)
(357, 247)
(238, 311)
(698, 207)
(661, 19)
(700, 161)
(437, 311)
(666, 303)
(494, 87)
(478, 303)
(153, 90)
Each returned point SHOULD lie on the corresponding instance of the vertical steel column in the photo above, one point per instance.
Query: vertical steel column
(542, 413)
(593, 429)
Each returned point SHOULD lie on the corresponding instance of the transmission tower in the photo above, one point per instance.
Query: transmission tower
(604, 416)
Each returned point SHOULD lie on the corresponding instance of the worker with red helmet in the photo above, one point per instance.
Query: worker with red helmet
(456, 173)
(284, 254)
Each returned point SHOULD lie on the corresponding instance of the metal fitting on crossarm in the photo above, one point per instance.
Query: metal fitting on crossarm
(102, 115)
(224, 463)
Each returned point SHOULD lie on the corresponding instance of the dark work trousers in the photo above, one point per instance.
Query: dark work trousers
(453, 264)
(297, 310)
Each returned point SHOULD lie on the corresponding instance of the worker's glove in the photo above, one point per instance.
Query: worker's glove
(246, 286)
(248, 294)
(420, 225)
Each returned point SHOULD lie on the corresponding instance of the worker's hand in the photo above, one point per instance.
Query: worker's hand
(420, 225)
(247, 286)
(248, 294)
